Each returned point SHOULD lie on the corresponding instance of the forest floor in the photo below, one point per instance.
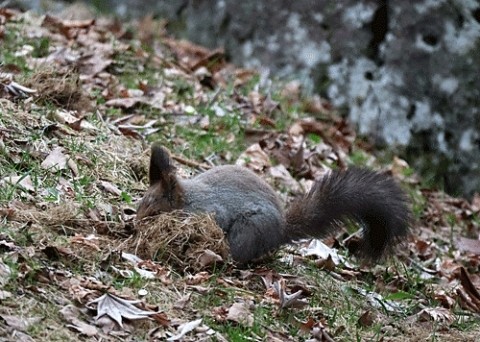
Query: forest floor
(80, 103)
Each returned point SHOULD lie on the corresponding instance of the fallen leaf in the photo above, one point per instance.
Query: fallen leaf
(24, 182)
(182, 302)
(118, 308)
(305, 327)
(198, 278)
(254, 158)
(376, 300)
(145, 274)
(208, 258)
(109, 187)
(73, 166)
(441, 315)
(5, 294)
(70, 313)
(281, 176)
(71, 120)
(184, 329)
(445, 299)
(132, 258)
(20, 323)
(107, 324)
(288, 300)
(318, 105)
(127, 102)
(90, 241)
(56, 160)
(366, 319)
(326, 264)
(468, 245)
(162, 319)
(319, 249)
(469, 287)
(240, 313)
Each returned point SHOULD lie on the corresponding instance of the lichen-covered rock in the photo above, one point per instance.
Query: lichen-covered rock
(407, 73)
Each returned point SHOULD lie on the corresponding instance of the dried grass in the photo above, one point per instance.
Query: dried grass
(51, 216)
(61, 87)
(177, 238)
(66, 217)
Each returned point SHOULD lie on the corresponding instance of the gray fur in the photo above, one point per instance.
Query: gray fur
(245, 207)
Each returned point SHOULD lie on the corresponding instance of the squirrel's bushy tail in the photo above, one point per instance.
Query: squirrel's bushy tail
(372, 199)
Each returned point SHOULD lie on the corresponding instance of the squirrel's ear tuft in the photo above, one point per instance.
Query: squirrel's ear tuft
(160, 164)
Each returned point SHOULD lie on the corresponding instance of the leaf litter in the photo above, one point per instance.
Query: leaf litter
(75, 161)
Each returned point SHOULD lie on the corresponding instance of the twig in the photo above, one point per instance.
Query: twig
(191, 163)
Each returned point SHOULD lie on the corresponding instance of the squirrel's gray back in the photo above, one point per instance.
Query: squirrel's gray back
(232, 193)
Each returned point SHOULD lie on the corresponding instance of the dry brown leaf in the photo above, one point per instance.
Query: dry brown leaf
(183, 301)
(318, 105)
(95, 62)
(198, 278)
(305, 327)
(288, 300)
(5, 294)
(70, 313)
(243, 76)
(70, 120)
(118, 308)
(366, 319)
(213, 61)
(469, 287)
(68, 28)
(109, 187)
(107, 324)
(322, 251)
(282, 177)
(20, 323)
(468, 245)
(326, 264)
(254, 158)
(5, 273)
(184, 329)
(208, 258)
(56, 160)
(445, 299)
(440, 315)
(162, 319)
(292, 90)
(126, 102)
(90, 241)
(240, 313)
(25, 182)
(268, 277)
(9, 13)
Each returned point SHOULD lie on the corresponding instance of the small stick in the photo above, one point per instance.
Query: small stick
(191, 163)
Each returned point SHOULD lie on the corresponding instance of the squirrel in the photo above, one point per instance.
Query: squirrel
(253, 219)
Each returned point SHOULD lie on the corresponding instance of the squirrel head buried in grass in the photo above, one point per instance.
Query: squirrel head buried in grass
(165, 193)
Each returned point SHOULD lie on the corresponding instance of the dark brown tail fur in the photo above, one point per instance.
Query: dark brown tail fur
(372, 199)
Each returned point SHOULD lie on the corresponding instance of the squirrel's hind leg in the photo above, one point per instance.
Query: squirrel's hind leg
(253, 235)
